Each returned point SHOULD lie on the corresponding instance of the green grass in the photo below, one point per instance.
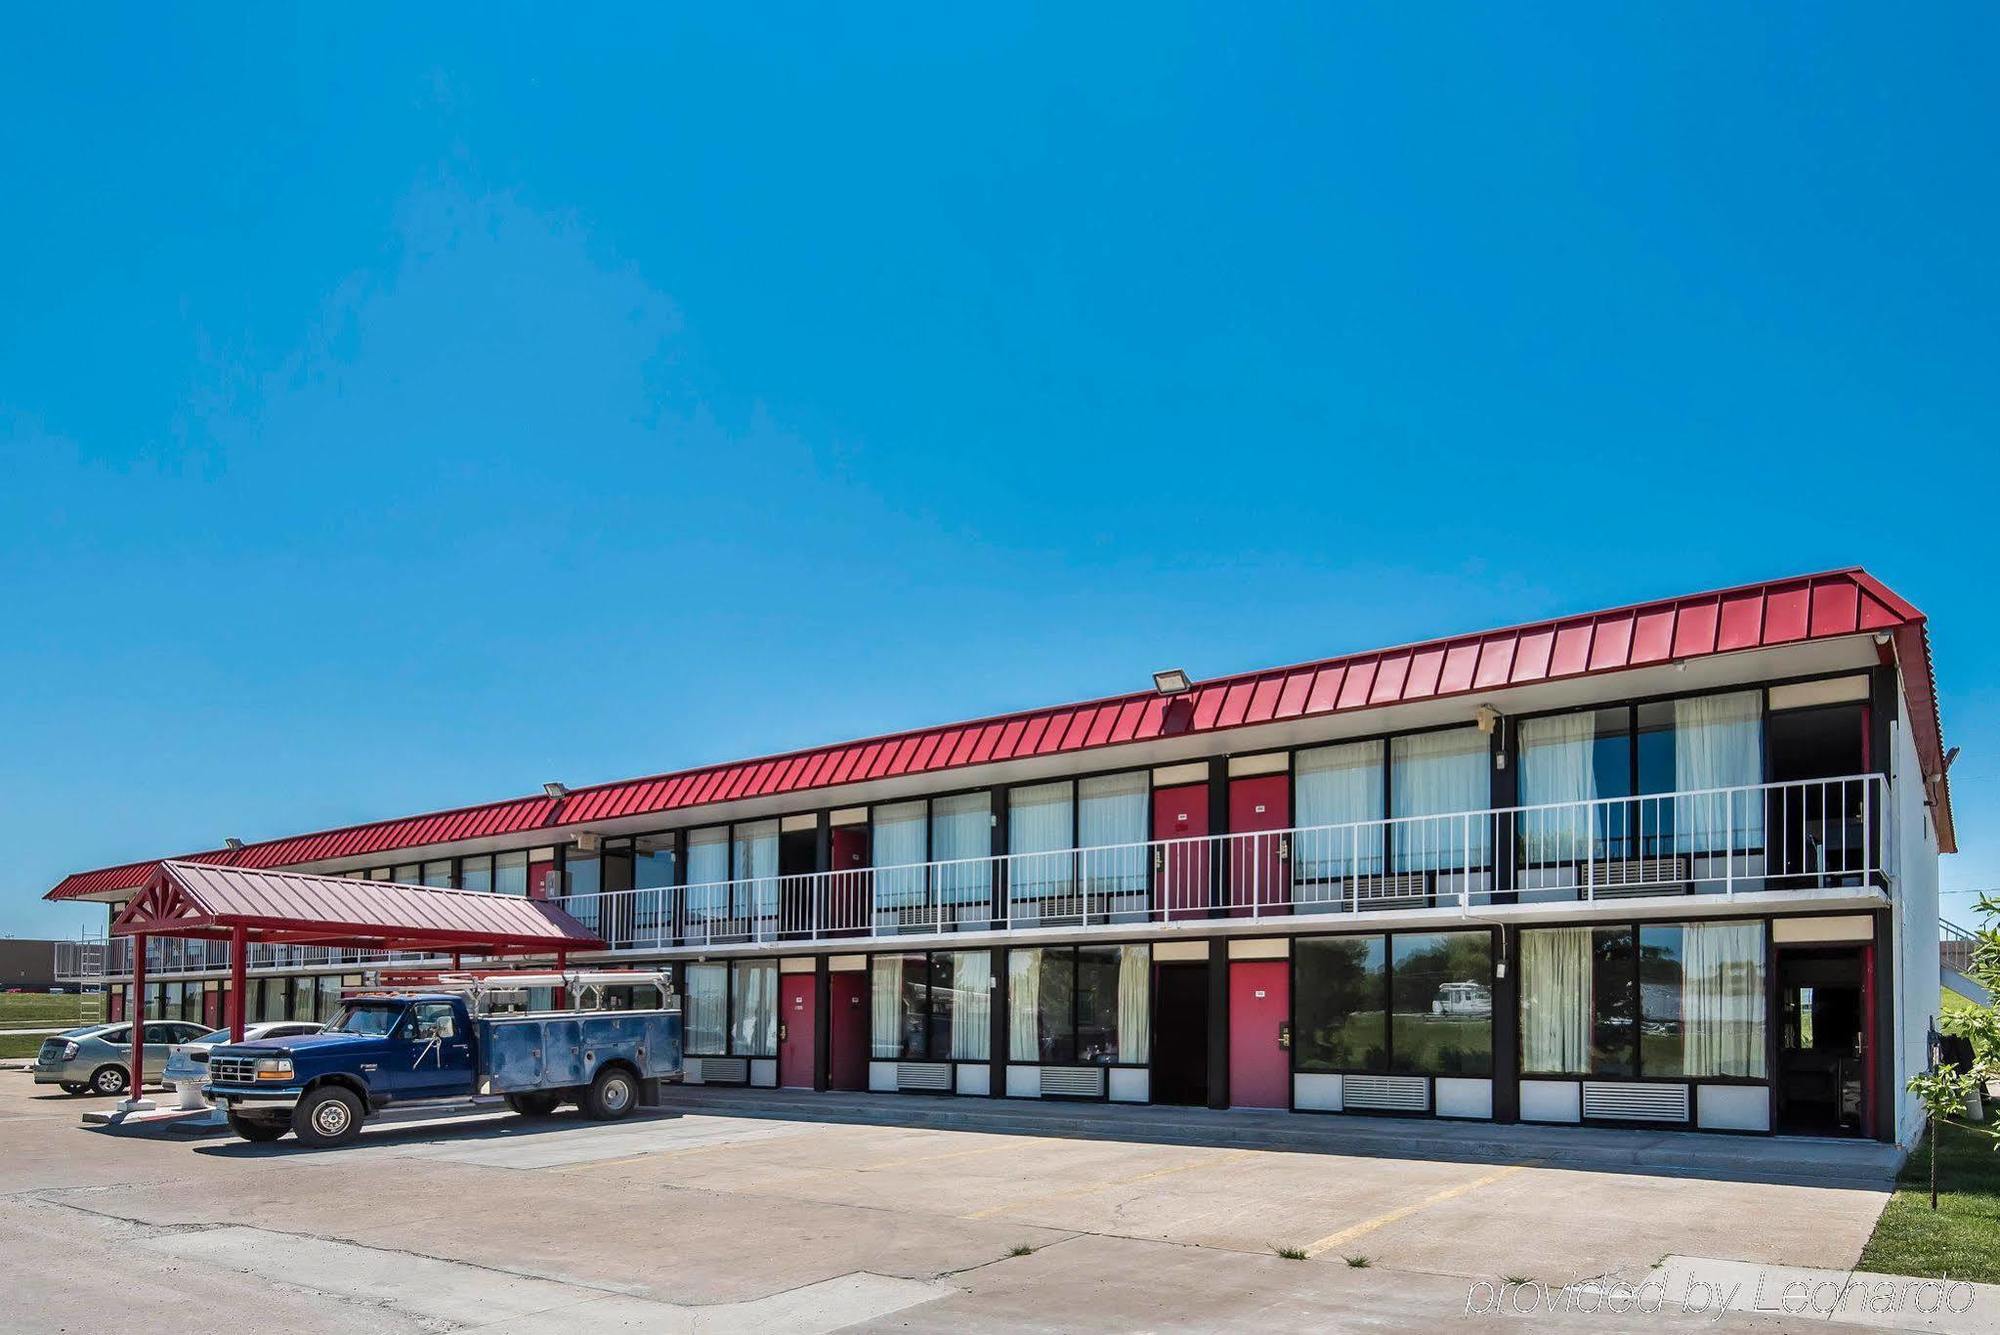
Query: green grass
(22, 1010)
(1291, 1253)
(1954, 1002)
(1962, 1237)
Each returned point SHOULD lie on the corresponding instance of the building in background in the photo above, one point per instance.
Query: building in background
(1667, 865)
(27, 964)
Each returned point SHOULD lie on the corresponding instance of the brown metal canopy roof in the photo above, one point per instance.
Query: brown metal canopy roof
(191, 899)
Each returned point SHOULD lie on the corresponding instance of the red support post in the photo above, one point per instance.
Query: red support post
(138, 1009)
(239, 982)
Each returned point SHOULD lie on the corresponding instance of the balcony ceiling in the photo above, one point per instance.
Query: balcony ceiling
(1791, 612)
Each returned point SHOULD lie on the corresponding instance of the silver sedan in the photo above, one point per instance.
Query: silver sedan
(96, 1059)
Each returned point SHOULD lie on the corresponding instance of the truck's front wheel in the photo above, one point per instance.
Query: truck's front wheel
(256, 1128)
(612, 1095)
(327, 1117)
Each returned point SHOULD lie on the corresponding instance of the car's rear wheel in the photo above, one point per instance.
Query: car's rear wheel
(327, 1117)
(538, 1104)
(109, 1080)
(259, 1129)
(612, 1095)
(75, 1087)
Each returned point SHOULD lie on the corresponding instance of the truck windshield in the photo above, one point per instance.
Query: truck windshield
(374, 1021)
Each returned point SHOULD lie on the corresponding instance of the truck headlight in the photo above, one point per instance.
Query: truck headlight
(274, 1068)
(69, 1051)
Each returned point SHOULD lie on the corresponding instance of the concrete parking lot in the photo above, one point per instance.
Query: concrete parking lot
(739, 1211)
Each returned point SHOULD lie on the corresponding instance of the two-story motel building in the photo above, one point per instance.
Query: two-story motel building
(1669, 865)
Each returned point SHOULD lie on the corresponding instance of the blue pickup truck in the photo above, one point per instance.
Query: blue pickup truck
(397, 1049)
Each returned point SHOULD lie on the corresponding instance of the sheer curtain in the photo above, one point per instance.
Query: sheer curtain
(1338, 786)
(972, 1005)
(757, 862)
(1134, 1004)
(885, 1009)
(1024, 991)
(1555, 1001)
(707, 1008)
(962, 836)
(1039, 821)
(1719, 743)
(708, 868)
(1440, 774)
(757, 1008)
(897, 845)
(1722, 998)
(1557, 767)
(1111, 818)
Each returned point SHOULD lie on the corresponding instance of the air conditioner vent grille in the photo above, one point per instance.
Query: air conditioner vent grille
(1635, 1103)
(1389, 1093)
(1072, 1082)
(722, 1070)
(930, 1077)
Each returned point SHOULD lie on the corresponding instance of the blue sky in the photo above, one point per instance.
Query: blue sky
(399, 409)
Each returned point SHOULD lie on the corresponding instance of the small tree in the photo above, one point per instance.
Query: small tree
(1943, 1092)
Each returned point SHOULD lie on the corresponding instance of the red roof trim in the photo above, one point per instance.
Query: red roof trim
(1828, 605)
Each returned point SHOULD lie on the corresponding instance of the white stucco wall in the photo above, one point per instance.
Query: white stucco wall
(1915, 915)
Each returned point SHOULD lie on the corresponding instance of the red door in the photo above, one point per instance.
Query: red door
(848, 901)
(798, 1035)
(848, 1001)
(1260, 1006)
(211, 1008)
(1259, 854)
(1181, 869)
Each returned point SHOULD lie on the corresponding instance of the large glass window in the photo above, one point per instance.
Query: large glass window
(1079, 1004)
(934, 1006)
(1568, 762)
(897, 848)
(707, 1008)
(1418, 1003)
(707, 877)
(510, 872)
(1659, 1000)
(1112, 820)
(328, 1000)
(476, 873)
(1440, 774)
(1041, 823)
(754, 1007)
(437, 875)
(962, 842)
(1338, 794)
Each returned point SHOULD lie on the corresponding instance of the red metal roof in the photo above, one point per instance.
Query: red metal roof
(1810, 607)
(205, 900)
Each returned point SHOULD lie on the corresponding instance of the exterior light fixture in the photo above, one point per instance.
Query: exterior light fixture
(1171, 682)
(233, 844)
(554, 790)
(1488, 717)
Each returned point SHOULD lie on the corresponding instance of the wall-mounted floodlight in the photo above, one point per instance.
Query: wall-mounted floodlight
(233, 845)
(554, 790)
(1489, 718)
(1172, 682)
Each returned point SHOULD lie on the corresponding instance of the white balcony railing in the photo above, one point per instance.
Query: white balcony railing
(1819, 833)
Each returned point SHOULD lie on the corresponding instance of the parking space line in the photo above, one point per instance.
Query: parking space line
(1090, 1187)
(1367, 1226)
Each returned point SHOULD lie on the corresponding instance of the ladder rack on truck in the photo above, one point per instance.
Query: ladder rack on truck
(457, 1039)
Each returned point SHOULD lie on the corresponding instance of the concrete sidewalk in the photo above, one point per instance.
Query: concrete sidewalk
(1773, 1159)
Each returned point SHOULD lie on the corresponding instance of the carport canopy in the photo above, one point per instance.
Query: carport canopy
(241, 905)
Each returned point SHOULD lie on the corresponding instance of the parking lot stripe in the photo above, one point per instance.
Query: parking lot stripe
(1367, 1226)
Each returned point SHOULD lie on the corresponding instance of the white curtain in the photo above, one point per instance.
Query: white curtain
(1039, 821)
(1719, 743)
(1135, 966)
(1024, 991)
(707, 1008)
(885, 1007)
(1722, 999)
(708, 868)
(896, 846)
(962, 838)
(1338, 786)
(1555, 1001)
(756, 1008)
(757, 863)
(1557, 767)
(971, 1005)
(1440, 774)
(1111, 818)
